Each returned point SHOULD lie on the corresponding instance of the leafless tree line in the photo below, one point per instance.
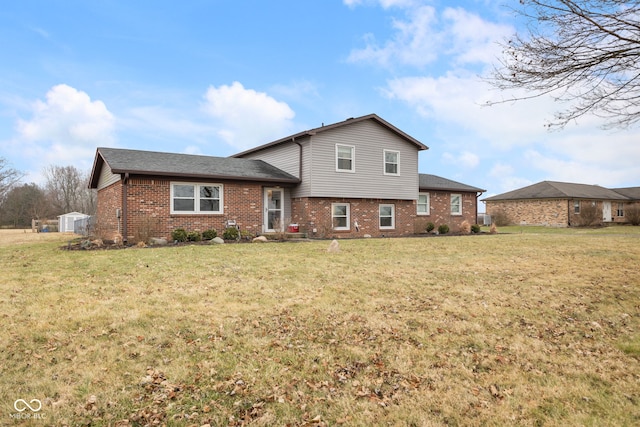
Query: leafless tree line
(65, 190)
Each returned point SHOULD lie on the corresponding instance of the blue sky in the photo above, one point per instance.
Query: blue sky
(217, 77)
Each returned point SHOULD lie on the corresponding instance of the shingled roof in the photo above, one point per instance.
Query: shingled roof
(323, 128)
(139, 162)
(559, 190)
(434, 182)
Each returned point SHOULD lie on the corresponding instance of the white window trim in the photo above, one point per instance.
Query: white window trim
(428, 212)
(393, 217)
(348, 227)
(197, 198)
(353, 158)
(384, 162)
(451, 204)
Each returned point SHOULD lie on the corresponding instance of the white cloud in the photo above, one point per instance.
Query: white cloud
(426, 35)
(465, 159)
(66, 127)
(246, 118)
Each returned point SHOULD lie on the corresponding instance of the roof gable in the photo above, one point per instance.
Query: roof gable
(559, 190)
(420, 146)
(122, 161)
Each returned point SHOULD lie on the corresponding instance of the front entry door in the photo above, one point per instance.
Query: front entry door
(606, 212)
(273, 210)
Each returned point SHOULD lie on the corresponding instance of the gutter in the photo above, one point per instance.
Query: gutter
(125, 193)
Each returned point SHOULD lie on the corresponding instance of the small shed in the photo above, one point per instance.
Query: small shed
(66, 222)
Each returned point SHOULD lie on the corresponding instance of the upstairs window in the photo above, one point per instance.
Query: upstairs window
(345, 158)
(423, 204)
(391, 162)
(456, 204)
(196, 198)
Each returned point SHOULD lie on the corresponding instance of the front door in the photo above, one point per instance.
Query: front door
(273, 210)
(606, 212)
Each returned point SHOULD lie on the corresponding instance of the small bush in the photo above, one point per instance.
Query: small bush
(589, 215)
(209, 234)
(475, 228)
(230, 233)
(500, 218)
(465, 227)
(194, 236)
(179, 235)
(443, 229)
(632, 214)
(430, 227)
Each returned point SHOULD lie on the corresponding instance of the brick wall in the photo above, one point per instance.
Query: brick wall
(553, 212)
(440, 211)
(149, 205)
(109, 201)
(315, 214)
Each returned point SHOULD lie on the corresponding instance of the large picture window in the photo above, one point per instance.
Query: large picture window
(340, 216)
(387, 216)
(345, 158)
(391, 162)
(423, 204)
(187, 198)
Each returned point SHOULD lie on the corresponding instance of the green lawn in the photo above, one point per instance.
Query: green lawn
(522, 327)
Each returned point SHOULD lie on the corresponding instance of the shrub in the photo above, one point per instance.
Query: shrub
(589, 214)
(179, 235)
(465, 227)
(500, 218)
(632, 213)
(194, 236)
(475, 228)
(209, 234)
(443, 229)
(430, 227)
(230, 233)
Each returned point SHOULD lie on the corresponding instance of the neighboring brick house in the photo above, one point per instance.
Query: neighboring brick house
(353, 178)
(562, 204)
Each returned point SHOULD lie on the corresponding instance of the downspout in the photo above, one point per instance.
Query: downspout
(569, 212)
(476, 219)
(125, 193)
(293, 139)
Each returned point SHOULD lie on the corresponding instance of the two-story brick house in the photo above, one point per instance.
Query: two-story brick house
(353, 178)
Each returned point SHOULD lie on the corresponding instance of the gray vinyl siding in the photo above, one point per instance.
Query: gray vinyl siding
(106, 177)
(284, 156)
(368, 181)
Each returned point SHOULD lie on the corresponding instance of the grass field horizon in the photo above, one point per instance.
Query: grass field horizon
(525, 327)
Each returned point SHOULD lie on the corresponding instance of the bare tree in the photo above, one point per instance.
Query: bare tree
(585, 53)
(24, 203)
(8, 177)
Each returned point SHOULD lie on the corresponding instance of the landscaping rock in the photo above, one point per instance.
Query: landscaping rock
(217, 241)
(334, 247)
(158, 241)
(260, 239)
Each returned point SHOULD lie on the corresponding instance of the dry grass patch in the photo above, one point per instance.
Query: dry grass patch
(476, 330)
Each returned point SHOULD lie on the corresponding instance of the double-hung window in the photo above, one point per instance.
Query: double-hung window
(387, 216)
(620, 209)
(423, 204)
(187, 198)
(456, 204)
(345, 158)
(576, 206)
(340, 216)
(391, 162)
